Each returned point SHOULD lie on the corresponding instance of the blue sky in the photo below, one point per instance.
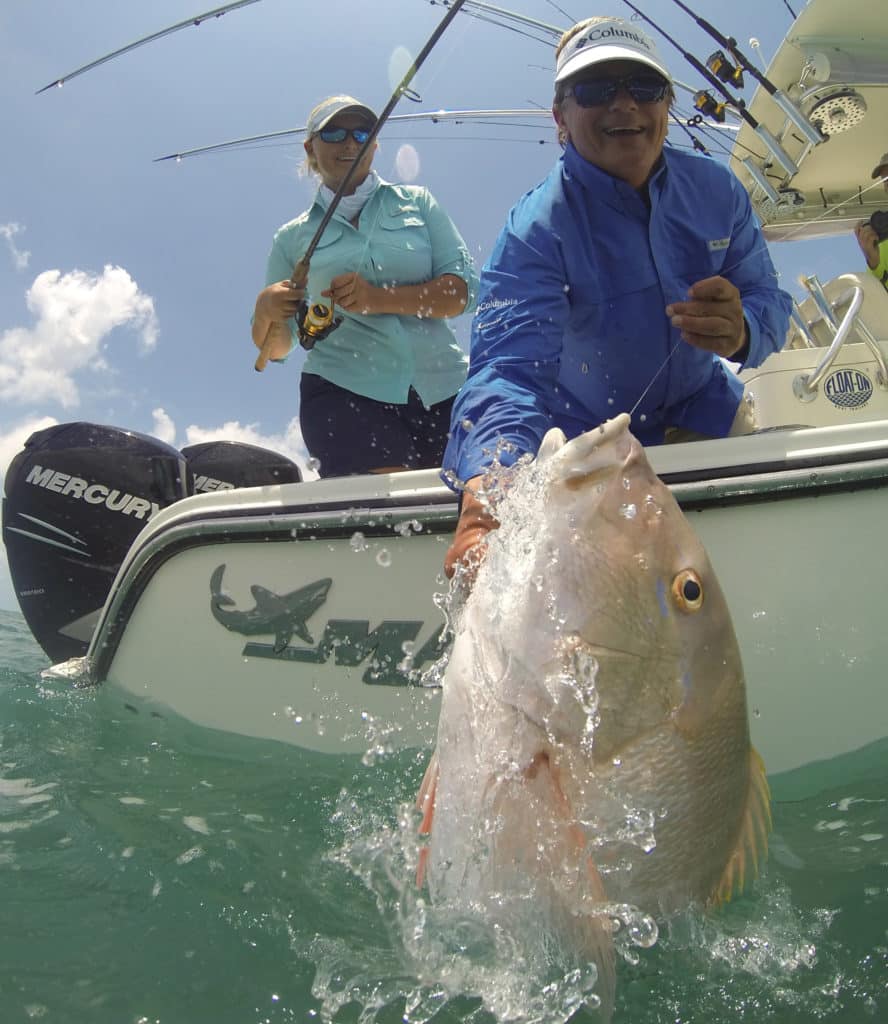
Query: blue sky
(126, 286)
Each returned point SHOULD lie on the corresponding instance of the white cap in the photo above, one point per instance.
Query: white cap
(612, 39)
(329, 108)
(881, 168)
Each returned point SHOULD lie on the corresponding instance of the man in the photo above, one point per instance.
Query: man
(874, 248)
(618, 282)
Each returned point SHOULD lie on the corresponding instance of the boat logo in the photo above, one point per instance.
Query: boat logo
(348, 642)
(848, 389)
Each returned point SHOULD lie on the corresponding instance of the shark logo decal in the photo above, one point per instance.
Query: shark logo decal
(345, 642)
(280, 614)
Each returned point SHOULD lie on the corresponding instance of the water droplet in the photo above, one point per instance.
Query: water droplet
(357, 541)
(383, 558)
(628, 511)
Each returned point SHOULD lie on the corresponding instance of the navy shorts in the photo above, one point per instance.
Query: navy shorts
(348, 433)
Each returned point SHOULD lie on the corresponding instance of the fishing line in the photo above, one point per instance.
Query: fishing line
(655, 376)
(562, 11)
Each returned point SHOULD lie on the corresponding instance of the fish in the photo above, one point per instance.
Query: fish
(593, 749)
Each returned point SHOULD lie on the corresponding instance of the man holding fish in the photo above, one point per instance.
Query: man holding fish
(593, 768)
(617, 283)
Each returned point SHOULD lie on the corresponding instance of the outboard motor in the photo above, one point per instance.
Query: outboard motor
(222, 465)
(75, 499)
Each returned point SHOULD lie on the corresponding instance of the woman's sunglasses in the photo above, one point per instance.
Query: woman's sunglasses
(595, 92)
(360, 135)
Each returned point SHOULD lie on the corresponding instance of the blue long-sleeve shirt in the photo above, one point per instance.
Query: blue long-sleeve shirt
(570, 326)
(403, 237)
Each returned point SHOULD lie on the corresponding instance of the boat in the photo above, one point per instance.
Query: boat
(311, 612)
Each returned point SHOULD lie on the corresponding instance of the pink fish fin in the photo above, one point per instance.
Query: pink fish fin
(537, 816)
(752, 842)
(425, 802)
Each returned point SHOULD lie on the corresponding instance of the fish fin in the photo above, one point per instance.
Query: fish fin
(752, 843)
(538, 840)
(425, 802)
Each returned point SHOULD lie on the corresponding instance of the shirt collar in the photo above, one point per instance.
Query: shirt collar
(604, 187)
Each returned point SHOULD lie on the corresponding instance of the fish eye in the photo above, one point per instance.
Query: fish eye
(687, 591)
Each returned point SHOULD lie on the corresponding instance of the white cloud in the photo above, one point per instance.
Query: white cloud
(164, 428)
(12, 442)
(20, 257)
(75, 312)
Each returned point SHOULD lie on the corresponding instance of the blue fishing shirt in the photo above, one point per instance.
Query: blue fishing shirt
(570, 326)
(403, 237)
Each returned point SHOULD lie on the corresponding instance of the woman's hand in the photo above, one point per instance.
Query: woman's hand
(353, 293)
(271, 332)
(868, 241)
(278, 302)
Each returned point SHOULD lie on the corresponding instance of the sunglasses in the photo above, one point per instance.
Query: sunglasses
(360, 135)
(595, 92)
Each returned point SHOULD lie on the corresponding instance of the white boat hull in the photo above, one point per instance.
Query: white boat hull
(791, 519)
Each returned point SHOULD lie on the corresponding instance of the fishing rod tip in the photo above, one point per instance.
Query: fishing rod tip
(58, 83)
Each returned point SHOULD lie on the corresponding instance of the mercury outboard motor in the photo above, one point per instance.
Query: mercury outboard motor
(222, 465)
(75, 499)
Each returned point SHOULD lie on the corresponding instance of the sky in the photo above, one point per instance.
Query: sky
(127, 285)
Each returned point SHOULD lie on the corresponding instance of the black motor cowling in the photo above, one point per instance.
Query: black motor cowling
(222, 465)
(75, 499)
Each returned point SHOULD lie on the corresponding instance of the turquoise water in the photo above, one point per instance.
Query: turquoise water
(156, 872)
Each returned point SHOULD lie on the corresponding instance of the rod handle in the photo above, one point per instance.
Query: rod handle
(298, 279)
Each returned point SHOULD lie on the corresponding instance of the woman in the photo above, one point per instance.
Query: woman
(376, 392)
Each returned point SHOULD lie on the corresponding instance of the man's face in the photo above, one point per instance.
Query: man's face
(623, 136)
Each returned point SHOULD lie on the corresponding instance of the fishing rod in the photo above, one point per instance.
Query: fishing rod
(457, 116)
(299, 277)
(519, 19)
(499, 117)
(719, 66)
(774, 148)
(195, 20)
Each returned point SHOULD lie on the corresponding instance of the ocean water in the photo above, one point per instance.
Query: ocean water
(156, 872)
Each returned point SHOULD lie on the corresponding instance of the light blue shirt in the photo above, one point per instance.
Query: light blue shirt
(571, 328)
(403, 237)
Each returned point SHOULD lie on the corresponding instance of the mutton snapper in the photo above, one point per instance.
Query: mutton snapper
(593, 744)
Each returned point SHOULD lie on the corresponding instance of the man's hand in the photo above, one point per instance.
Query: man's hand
(868, 241)
(352, 292)
(712, 319)
(475, 522)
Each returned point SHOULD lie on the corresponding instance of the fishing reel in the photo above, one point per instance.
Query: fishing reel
(314, 321)
(707, 104)
(724, 70)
